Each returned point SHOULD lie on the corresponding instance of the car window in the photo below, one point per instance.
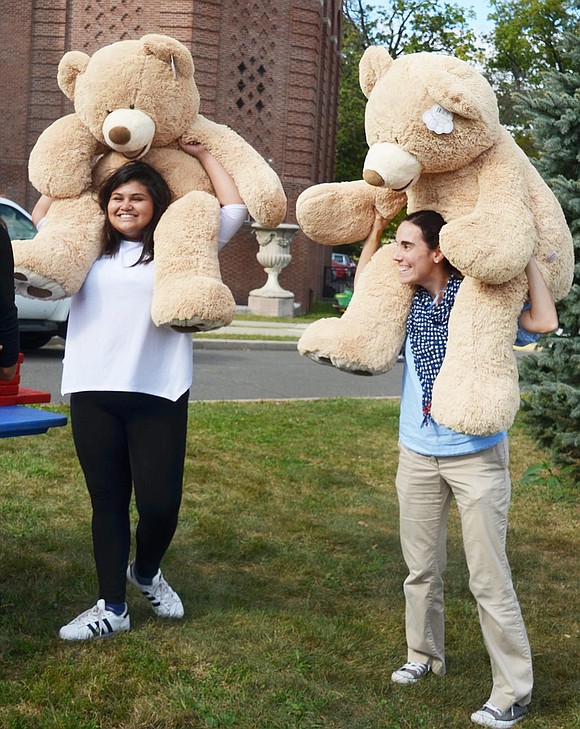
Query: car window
(19, 226)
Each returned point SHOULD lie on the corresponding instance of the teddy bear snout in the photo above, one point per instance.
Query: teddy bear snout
(389, 165)
(129, 131)
(373, 178)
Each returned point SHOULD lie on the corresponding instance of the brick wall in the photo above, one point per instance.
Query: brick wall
(267, 69)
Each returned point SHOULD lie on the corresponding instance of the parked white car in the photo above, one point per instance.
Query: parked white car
(39, 320)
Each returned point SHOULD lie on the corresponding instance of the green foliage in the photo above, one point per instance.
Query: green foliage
(413, 26)
(351, 145)
(526, 43)
(552, 409)
(545, 473)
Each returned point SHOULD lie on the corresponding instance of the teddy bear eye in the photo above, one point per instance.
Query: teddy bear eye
(131, 106)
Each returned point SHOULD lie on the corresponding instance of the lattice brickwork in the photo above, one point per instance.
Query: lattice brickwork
(251, 39)
(98, 22)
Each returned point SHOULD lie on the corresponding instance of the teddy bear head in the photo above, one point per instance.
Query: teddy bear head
(425, 113)
(133, 94)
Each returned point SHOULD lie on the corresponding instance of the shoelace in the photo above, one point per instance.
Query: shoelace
(419, 667)
(96, 612)
(493, 708)
(162, 590)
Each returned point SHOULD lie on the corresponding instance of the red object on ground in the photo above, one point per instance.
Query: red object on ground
(24, 396)
(12, 394)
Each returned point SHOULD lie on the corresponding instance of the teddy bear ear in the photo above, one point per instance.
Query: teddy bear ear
(71, 65)
(460, 95)
(171, 51)
(374, 64)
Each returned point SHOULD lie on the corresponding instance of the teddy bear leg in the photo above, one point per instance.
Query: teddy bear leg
(189, 294)
(476, 391)
(54, 264)
(368, 338)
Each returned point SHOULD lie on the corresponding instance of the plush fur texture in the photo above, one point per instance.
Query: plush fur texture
(499, 213)
(136, 99)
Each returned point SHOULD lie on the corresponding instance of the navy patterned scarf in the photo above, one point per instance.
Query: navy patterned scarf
(427, 331)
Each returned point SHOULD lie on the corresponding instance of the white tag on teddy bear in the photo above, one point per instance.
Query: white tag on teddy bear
(173, 67)
(438, 119)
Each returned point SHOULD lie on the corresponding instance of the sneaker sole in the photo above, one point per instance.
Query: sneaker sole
(93, 636)
(402, 681)
(492, 723)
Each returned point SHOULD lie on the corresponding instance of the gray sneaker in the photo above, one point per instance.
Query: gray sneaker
(490, 715)
(411, 672)
(163, 599)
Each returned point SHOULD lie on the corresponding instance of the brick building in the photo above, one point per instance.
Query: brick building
(268, 69)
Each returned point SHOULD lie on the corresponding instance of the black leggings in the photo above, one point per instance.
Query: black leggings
(124, 439)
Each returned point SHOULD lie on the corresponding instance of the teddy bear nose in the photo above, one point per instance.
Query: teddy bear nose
(119, 135)
(373, 178)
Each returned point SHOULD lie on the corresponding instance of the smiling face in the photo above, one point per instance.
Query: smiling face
(418, 264)
(130, 209)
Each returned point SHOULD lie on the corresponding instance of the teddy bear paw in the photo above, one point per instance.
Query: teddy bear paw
(203, 305)
(318, 342)
(34, 286)
(332, 342)
(475, 405)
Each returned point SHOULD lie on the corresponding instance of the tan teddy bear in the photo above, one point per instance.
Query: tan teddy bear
(136, 99)
(436, 143)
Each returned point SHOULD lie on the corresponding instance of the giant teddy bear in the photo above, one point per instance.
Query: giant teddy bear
(435, 142)
(136, 99)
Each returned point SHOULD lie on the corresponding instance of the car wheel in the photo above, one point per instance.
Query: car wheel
(62, 330)
(34, 340)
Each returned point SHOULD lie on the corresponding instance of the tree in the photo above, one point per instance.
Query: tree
(401, 27)
(351, 146)
(552, 410)
(526, 43)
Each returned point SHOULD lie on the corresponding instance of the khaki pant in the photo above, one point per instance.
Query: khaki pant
(481, 486)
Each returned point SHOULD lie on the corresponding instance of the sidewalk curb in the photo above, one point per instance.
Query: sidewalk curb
(207, 343)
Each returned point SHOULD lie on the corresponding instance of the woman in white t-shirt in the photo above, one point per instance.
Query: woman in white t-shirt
(129, 384)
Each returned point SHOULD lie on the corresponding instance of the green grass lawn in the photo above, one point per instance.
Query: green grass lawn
(288, 563)
(319, 309)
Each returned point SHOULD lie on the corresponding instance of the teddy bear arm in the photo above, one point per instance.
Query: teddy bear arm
(494, 242)
(60, 162)
(189, 293)
(258, 184)
(336, 213)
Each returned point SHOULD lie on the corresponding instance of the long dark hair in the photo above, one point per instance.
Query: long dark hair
(160, 194)
(430, 224)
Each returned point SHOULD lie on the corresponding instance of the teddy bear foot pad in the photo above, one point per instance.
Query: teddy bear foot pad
(34, 286)
(195, 325)
(338, 364)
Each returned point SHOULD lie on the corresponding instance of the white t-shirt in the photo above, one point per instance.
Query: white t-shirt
(112, 343)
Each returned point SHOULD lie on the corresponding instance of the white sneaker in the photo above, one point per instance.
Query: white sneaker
(410, 673)
(97, 622)
(164, 601)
